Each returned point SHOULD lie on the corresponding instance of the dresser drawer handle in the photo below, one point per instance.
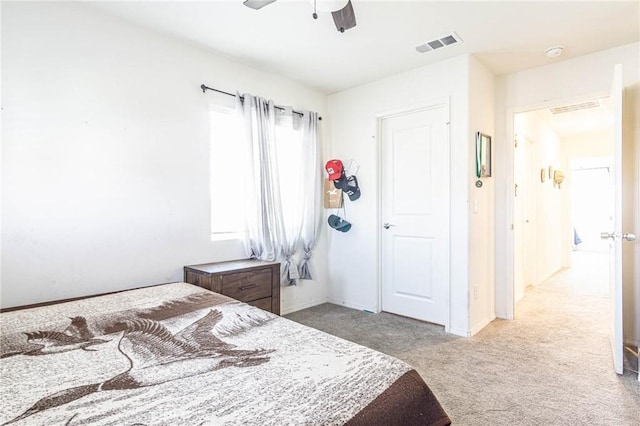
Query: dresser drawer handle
(250, 286)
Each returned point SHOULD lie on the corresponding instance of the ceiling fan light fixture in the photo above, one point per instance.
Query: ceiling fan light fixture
(257, 4)
(329, 5)
(554, 51)
(341, 11)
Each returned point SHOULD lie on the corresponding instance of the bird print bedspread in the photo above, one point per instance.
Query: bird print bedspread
(178, 354)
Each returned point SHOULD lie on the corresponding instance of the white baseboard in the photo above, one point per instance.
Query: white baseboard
(482, 324)
(300, 306)
(458, 331)
(357, 306)
(468, 333)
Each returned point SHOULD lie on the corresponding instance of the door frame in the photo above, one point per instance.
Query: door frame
(505, 290)
(436, 102)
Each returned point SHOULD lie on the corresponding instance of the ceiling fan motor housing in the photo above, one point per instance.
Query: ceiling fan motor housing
(344, 18)
(343, 14)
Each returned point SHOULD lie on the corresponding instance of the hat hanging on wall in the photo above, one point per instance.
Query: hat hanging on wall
(337, 223)
(347, 183)
(341, 181)
(349, 186)
(335, 169)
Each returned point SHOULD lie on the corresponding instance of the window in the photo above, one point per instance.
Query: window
(227, 215)
(289, 154)
(228, 159)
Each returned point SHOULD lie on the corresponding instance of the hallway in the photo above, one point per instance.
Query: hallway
(572, 294)
(588, 281)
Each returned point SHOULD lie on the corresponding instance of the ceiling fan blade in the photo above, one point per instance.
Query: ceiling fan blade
(257, 4)
(344, 18)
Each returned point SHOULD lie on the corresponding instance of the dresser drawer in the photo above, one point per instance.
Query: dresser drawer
(262, 303)
(247, 286)
(255, 282)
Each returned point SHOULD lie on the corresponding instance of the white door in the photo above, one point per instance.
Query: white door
(532, 180)
(519, 215)
(415, 214)
(615, 233)
(523, 214)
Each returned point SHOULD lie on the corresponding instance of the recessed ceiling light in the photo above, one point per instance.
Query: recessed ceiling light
(554, 52)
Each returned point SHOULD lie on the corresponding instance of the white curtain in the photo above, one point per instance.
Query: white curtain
(312, 191)
(264, 232)
(290, 155)
(277, 184)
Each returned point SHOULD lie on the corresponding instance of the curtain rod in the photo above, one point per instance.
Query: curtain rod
(205, 88)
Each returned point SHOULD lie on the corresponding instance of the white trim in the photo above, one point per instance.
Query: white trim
(459, 332)
(407, 109)
(507, 310)
(438, 102)
(301, 306)
(552, 103)
(224, 236)
(481, 325)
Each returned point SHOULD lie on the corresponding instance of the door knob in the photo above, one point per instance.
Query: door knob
(629, 237)
(608, 235)
(388, 225)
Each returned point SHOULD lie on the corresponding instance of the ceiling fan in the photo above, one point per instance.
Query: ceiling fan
(343, 15)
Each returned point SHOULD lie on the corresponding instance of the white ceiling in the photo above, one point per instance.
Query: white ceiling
(283, 38)
(580, 122)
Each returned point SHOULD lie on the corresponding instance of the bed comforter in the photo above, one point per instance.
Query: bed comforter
(178, 354)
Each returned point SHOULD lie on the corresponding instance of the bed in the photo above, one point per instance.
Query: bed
(179, 354)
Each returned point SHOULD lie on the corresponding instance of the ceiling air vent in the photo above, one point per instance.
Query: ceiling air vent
(575, 107)
(439, 42)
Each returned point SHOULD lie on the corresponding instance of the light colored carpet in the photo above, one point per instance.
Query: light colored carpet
(550, 366)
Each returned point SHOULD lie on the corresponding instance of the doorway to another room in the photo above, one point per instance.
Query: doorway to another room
(565, 191)
(563, 198)
(549, 218)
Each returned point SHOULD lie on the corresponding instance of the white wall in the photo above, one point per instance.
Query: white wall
(549, 203)
(481, 219)
(105, 153)
(353, 256)
(591, 144)
(571, 79)
(548, 200)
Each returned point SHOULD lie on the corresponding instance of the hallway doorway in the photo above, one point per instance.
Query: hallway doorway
(562, 197)
(505, 289)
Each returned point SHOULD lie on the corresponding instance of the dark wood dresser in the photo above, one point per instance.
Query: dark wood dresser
(251, 281)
